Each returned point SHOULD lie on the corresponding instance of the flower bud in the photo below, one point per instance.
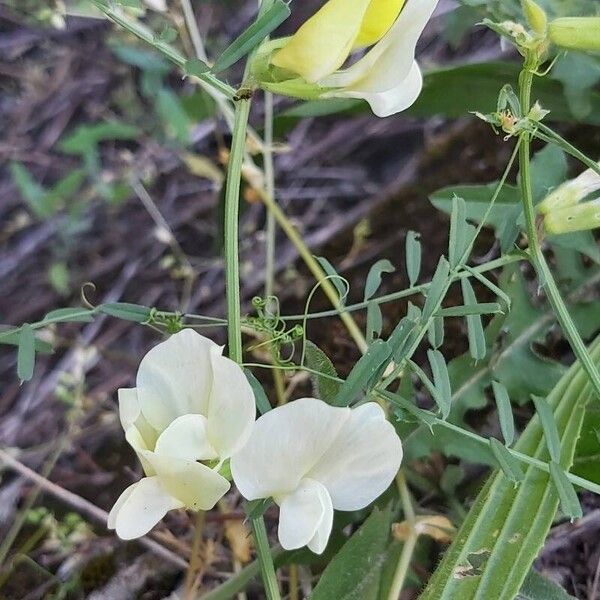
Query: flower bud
(536, 17)
(580, 217)
(571, 192)
(576, 33)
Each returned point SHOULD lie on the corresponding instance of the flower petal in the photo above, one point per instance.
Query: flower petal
(324, 42)
(175, 378)
(318, 543)
(284, 445)
(137, 442)
(390, 61)
(362, 460)
(392, 101)
(129, 407)
(231, 408)
(130, 414)
(140, 507)
(195, 485)
(111, 522)
(306, 517)
(378, 18)
(186, 438)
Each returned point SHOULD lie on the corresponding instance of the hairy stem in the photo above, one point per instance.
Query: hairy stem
(232, 203)
(270, 191)
(232, 280)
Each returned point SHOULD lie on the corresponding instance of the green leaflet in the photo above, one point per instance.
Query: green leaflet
(253, 36)
(364, 373)
(507, 525)
(325, 388)
(507, 423)
(26, 353)
(260, 397)
(374, 277)
(413, 256)
(126, 311)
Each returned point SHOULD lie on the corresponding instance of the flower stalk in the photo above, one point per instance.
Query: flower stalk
(539, 261)
(232, 207)
(232, 281)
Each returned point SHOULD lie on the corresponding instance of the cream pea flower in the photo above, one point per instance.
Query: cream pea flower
(387, 76)
(191, 410)
(312, 458)
(570, 192)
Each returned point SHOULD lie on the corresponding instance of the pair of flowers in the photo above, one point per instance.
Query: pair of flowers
(192, 410)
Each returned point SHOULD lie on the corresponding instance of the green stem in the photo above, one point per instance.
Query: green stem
(270, 190)
(190, 20)
(539, 261)
(265, 559)
(232, 282)
(238, 582)
(232, 205)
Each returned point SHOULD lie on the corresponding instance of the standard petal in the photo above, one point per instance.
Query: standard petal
(391, 60)
(392, 101)
(378, 18)
(324, 42)
(284, 445)
(195, 485)
(175, 378)
(140, 507)
(362, 460)
(231, 408)
(186, 438)
(305, 517)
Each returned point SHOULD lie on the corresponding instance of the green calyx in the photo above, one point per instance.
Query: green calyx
(281, 81)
